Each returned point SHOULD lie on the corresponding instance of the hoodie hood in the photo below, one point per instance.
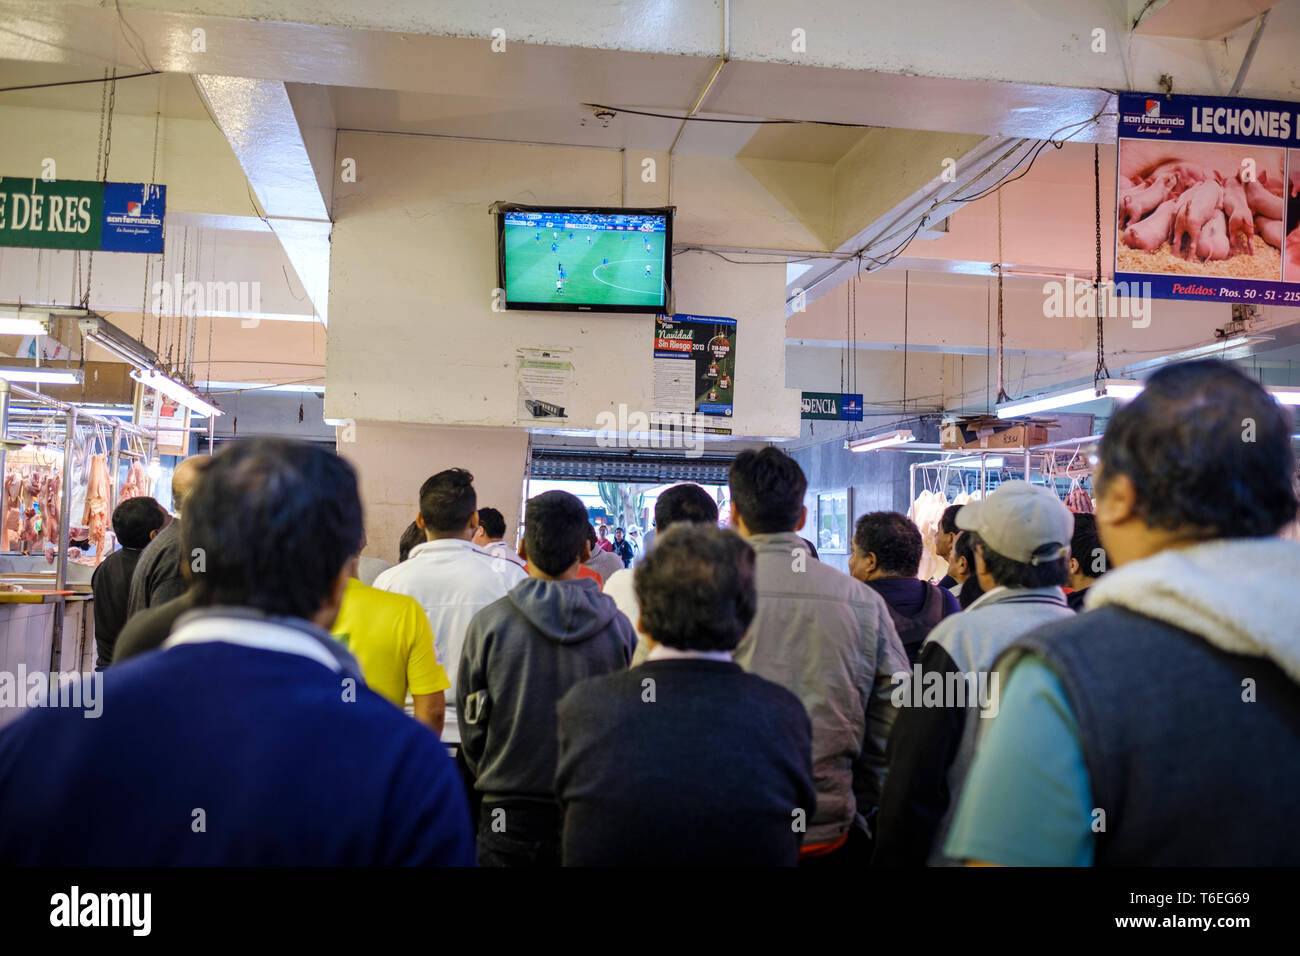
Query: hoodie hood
(1237, 594)
(567, 612)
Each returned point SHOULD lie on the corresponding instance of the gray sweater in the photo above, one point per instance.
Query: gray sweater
(522, 653)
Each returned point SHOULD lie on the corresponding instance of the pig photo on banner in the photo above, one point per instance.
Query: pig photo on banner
(1201, 209)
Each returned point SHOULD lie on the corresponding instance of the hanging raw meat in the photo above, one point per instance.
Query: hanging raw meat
(51, 502)
(29, 534)
(13, 511)
(96, 515)
(136, 484)
(1078, 501)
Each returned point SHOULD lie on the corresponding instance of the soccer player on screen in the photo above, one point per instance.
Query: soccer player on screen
(647, 269)
(554, 247)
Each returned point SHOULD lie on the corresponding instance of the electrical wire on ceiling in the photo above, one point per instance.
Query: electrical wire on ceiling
(736, 122)
(1050, 141)
(104, 79)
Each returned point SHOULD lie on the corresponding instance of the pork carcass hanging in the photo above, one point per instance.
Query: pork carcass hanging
(51, 502)
(95, 517)
(13, 511)
(136, 484)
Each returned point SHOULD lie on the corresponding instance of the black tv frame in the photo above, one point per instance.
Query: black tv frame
(500, 209)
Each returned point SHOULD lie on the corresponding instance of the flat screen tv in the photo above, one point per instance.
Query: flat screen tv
(575, 259)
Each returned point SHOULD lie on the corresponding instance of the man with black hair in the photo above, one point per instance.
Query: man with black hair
(681, 504)
(135, 523)
(250, 738)
(521, 655)
(1087, 560)
(1173, 703)
(1021, 538)
(451, 578)
(886, 557)
(967, 588)
(622, 549)
(411, 537)
(157, 578)
(711, 769)
(944, 539)
(829, 640)
(490, 536)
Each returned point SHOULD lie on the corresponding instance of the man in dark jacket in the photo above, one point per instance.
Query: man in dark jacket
(686, 760)
(622, 548)
(135, 522)
(1087, 560)
(521, 654)
(944, 539)
(1160, 728)
(157, 577)
(1021, 534)
(250, 738)
(886, 556)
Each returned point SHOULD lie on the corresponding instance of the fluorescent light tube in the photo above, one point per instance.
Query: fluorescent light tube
(1285, 394)
(1121, 389)
(887, 440)
(13, 325)
(175, 391)
(42, 376)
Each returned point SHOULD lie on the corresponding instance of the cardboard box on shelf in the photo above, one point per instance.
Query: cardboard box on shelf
(952, 435)
(1017, 436)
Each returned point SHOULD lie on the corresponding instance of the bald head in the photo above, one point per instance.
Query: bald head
(184, 477)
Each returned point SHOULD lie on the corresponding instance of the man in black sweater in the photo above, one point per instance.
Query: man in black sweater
(157, 576)
(686, 760)
(135, 522)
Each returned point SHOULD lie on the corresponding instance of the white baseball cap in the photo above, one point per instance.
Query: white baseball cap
(1020, 521)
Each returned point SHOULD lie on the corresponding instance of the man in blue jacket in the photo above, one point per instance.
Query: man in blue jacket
(249, 738)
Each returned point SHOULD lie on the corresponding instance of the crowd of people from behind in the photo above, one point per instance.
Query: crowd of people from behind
(1121, 688)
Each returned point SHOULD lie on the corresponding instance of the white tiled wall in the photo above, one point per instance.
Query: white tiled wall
(26, 634)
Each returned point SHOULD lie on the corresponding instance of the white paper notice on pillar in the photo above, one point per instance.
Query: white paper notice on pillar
(545, 378)
(154, 410)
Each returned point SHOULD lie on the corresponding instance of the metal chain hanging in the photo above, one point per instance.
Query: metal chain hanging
(106, 102)
(1002, 392)
(153, 178)
(1101, 371)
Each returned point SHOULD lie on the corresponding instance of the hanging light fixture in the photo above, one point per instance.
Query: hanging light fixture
(41, 375)
(887, 440)
(1117, 388)
(177, 391)
(18, 320)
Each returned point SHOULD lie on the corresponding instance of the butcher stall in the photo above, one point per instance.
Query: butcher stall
(65, 469)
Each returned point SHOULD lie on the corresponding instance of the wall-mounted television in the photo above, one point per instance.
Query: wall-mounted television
(579, 259)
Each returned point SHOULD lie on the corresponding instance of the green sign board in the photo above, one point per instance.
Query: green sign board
(78, 214)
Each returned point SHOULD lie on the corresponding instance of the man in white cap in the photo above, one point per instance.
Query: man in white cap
(1021, 535)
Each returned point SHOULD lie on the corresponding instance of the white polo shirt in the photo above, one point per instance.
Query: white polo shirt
(452, 580)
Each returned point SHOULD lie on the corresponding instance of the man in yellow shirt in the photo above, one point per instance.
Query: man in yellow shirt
(390, 636)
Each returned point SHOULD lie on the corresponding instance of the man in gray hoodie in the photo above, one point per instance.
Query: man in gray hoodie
(1162, 726)
(521, 655)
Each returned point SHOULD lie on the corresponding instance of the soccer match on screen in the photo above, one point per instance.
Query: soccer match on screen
(591, 259)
